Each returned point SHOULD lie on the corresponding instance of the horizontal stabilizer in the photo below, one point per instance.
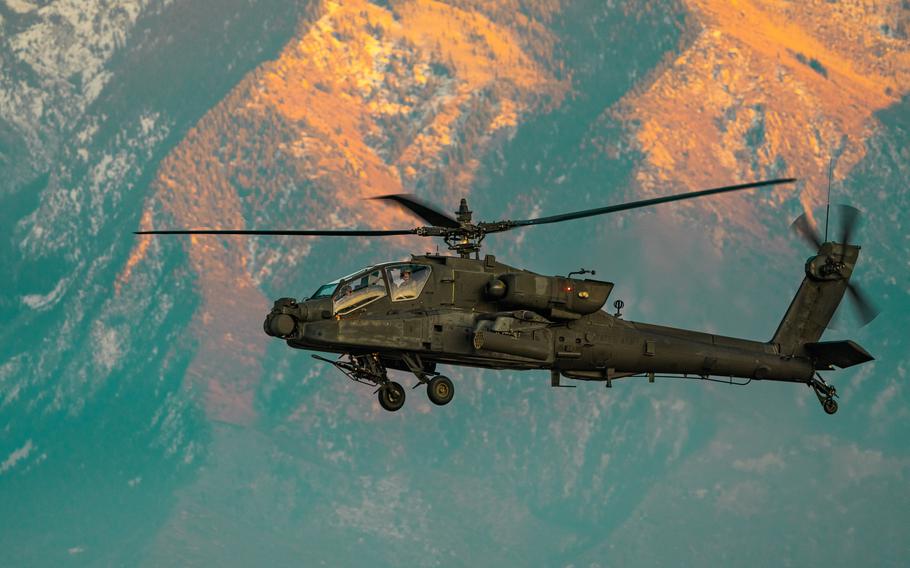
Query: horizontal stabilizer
(842, 354)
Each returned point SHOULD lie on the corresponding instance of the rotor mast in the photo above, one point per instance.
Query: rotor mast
(466, 239)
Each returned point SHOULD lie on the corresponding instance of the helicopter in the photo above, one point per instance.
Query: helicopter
(464, 310)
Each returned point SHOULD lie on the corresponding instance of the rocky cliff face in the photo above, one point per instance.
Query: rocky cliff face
(135, 377)
(367, 101)
(768, 89)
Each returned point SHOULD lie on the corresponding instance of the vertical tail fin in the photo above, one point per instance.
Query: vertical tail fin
(827, 275)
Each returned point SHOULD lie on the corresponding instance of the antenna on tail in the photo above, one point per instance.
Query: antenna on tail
(828, 204)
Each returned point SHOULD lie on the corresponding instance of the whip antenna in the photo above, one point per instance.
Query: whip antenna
(828, 204)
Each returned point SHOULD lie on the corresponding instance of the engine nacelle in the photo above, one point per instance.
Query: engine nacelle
(557, 297)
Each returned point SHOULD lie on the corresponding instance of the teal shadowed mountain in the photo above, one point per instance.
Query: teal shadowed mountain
(148, 421)
(98, 427)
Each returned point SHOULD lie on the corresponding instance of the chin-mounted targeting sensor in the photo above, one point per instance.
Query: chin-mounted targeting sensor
(282, 320)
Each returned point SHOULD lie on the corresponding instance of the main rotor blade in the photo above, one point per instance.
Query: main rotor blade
(328, 233)
(865, 309)
(849, 220)
(422, 209)
(645, 203)
(804, 229)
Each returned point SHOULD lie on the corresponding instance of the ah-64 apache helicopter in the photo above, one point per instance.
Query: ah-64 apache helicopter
(458, 310)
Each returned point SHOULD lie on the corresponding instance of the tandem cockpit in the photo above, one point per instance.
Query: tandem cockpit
(400, 281)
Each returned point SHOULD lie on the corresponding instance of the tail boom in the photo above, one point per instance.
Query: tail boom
(822, 289)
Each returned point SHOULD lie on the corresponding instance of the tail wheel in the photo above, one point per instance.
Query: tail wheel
(830, 405)
(440, 390)
(391, 396)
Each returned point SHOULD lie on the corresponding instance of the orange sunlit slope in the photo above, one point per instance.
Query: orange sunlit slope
(365, 101)
(369, 100)
(769, 88)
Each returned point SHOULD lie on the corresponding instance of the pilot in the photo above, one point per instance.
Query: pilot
(406, 288)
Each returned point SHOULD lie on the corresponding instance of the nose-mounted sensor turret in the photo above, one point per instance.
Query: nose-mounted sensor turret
(282, 320)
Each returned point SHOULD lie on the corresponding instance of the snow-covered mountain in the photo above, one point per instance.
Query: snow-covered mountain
(145, 418)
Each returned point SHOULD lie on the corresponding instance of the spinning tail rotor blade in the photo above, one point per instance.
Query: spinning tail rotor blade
(849, 219)
(806, 231)
(865, 309)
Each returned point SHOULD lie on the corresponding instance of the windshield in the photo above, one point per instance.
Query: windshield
(359, 290)
(325, 290)
(407, 280)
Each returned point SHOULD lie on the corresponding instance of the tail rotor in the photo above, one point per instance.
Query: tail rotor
(807, 231)
(849, 219)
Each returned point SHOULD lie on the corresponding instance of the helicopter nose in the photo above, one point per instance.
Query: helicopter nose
(283, 319)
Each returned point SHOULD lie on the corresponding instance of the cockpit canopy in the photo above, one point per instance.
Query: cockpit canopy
(402, 281)
(406, 280)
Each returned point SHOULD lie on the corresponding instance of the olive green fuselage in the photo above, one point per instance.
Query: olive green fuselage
(463, 317)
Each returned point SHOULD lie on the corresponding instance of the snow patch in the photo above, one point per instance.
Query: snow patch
(147, 123)
(75, 38)
(854, 464)
(882, 400)
(9, 386)
(388, 509)
(16, 457)
(760, 465)
(45, 301)
(21, 6)
(745, 498)
(107, 347)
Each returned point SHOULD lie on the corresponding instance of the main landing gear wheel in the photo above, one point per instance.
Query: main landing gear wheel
(440, 390)
(830, 406)
(391, 396)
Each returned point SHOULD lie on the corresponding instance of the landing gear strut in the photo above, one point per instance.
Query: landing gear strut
(825, 393)
(440, 389)
(369, 370)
